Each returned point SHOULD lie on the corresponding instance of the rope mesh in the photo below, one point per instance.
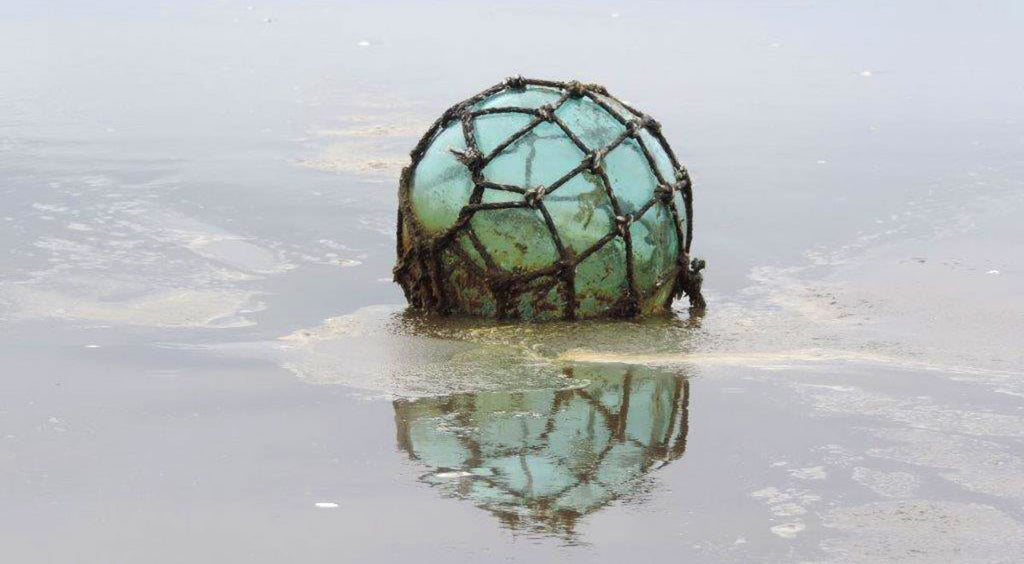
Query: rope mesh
(419, 269)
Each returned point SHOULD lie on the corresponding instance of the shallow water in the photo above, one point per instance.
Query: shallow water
(204, 356)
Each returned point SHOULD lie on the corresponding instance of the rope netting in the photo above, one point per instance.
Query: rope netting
(419, 269)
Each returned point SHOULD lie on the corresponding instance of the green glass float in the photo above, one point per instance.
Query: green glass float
(542, 459)
(538, 199)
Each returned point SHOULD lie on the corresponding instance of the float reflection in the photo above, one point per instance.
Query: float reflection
(539, 460)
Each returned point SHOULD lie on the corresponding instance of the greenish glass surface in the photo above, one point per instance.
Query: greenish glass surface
(654, 247)
(540, 157)
(582, 211)
(664, 164)
(601, 278)
(630, 175)
(517, 239)
(594, 126)
(467, 246)
(496, 196)
(494, 129)
(441, 184)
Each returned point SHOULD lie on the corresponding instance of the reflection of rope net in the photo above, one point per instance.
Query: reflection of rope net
(420, 268)
(652, 437)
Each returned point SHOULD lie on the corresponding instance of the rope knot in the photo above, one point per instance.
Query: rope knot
(595, 160)
(622, 223)
(533, 196)
(516, 82)
(471, 157)
(633, 127)
(651, 123)
(664, 192)
(563, 266)
(546, 112)
(683, 175)
(576, 88)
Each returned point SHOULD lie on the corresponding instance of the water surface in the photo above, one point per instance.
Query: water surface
(204, 356)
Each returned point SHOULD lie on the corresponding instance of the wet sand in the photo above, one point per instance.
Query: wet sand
(204, 358)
